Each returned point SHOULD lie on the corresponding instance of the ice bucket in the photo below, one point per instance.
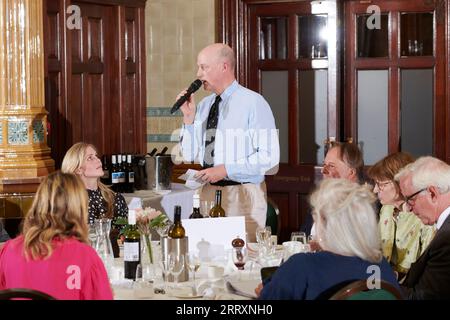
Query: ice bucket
(159, 172)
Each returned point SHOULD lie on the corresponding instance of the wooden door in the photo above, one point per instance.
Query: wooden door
(288, 51)
(395, 98)
(95, 76)
(92, 89)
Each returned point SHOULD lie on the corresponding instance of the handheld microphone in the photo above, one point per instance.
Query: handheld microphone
(192, 88)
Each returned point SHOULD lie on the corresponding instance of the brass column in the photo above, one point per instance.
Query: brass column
(24, 154)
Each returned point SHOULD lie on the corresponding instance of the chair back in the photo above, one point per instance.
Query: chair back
(22, 293)
(358, 290)
(273, 216)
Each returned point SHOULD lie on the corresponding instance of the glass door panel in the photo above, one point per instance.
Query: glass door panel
(417, 111)
(313, 115)
(273, 38)
(416, 31)
(313, 37)
(371, 41)
(274, 88)
(373, 114)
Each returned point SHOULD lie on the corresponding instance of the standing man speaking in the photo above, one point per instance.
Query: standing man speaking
(232, 134)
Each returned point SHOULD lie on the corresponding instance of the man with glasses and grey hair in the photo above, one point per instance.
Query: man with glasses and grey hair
(425, 185)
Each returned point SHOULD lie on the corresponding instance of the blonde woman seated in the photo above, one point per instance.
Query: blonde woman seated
(403, 236)
(53, 254)
(346, 224)
(81, 159)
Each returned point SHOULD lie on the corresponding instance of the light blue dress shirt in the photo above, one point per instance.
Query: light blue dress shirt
(246, 139)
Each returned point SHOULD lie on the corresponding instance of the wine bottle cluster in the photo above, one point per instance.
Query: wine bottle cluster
(118, 173)
(125, 172)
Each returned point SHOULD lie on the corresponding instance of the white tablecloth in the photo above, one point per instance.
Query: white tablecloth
(208, 289)
(179, 195)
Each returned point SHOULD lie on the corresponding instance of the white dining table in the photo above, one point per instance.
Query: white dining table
(165, 201)
(208, 286)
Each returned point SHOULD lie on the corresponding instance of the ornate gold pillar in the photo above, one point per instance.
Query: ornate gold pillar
(24, 154)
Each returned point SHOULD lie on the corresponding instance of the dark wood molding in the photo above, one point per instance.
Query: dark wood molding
(125, 3)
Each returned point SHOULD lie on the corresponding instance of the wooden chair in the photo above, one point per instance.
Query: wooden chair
(358, 290)
(21, 293)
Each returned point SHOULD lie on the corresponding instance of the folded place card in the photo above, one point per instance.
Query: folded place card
(210, 238)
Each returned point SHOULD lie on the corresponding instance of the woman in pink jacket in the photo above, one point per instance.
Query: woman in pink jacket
(53, 254)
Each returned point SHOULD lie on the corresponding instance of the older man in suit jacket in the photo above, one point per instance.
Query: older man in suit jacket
(425, 184)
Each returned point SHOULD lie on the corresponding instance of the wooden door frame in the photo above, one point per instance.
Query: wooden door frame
(393, 64)
(290, 187)
(232, 18)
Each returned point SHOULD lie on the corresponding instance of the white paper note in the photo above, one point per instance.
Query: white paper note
(191, 181)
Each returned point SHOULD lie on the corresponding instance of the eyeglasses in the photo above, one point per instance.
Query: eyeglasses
(410, 199)
(382, 185)
(329, 167)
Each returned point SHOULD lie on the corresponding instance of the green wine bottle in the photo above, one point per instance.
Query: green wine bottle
(131, 247)
(176, 230)
(196, 207)
(217, 211)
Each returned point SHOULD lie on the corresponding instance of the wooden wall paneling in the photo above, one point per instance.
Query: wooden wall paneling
(447, 80)
(95, 91)
(54, 60)
(129, 103)
(141, 114)
(441, 87)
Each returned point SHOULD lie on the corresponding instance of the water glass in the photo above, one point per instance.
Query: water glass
(299, 236)
(263, 235)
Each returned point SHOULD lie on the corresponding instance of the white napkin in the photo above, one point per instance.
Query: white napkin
(211, 288)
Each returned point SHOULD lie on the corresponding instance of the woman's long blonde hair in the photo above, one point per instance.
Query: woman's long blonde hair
(59, 209)
(74, 159)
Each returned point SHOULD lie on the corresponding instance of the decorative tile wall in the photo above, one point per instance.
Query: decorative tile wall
(176, 30)
(17, 132)
(38, 131)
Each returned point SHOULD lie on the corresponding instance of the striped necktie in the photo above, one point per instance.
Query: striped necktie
(211, 125)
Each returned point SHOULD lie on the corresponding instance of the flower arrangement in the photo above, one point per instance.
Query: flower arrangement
(147, 219)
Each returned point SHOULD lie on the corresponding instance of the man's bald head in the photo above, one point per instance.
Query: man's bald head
(216, 64)
(222, 52)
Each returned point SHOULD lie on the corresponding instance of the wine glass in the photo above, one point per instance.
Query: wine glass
(176, 265)
(165, 268)
(239, 255)
(205, 207)
(193, 262)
